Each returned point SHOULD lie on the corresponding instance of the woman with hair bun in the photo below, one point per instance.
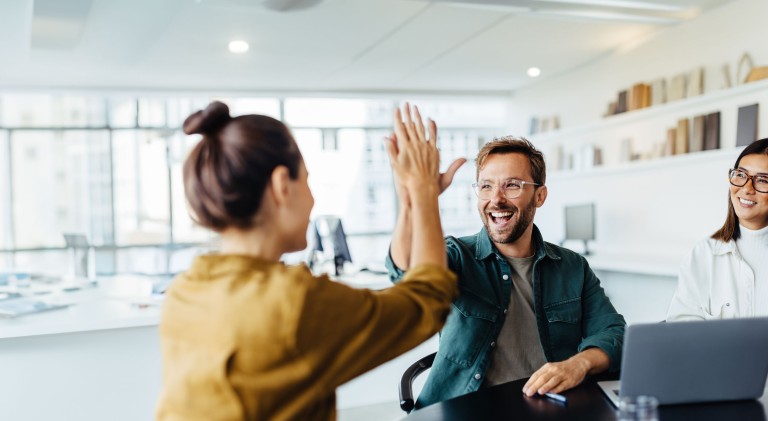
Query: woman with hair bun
(726, 275)
(246, 337)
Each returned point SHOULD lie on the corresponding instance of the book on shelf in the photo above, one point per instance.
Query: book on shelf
(554, 158)
(625, 151)
(588, 157)
(658, 91)
(712, 131)
(697, 134)
(543, 125)
(669, 145)
(639, 96)
(746, 129)
(677, 88)
(726, 77)
(695, 85)
(681, 141)
(534, 126)
(598, 157)
(621, 104)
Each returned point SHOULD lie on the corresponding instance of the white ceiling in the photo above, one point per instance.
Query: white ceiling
(472, 46)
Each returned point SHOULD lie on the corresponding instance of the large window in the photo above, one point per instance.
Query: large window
(142, 188)
(6, 239)
(61, 183)
(111, 167)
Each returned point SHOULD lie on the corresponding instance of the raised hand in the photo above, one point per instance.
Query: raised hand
(408, 129)
(415, 160)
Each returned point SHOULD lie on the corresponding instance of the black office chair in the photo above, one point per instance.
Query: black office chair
(406, 382)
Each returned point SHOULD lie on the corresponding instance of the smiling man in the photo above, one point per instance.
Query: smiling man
(527, 308)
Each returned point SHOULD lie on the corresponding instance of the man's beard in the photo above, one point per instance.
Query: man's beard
(524, 219)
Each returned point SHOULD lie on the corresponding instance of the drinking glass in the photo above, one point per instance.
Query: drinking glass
(638, 408)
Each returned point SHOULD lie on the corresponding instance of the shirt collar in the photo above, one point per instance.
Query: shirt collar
(722, 248)
(213, 265)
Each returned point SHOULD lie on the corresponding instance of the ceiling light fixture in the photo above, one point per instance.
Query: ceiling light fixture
(534, 72)
(503, 8)
(624, 4)
(238, 46)
(607, 16)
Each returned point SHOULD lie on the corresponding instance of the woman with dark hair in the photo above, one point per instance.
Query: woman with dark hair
(726, 276)
(245, 337)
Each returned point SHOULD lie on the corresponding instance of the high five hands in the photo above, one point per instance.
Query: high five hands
(414, 155)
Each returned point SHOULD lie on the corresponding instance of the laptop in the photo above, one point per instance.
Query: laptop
(688, 362)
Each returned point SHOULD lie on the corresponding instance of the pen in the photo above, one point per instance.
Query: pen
(557, 397)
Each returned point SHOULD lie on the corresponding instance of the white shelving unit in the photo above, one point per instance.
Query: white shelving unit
(646, 127)
(649, 213)
(659, 110)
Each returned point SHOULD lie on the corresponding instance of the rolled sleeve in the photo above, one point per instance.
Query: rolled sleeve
(395, 273)
(346, 331)
(603, 326)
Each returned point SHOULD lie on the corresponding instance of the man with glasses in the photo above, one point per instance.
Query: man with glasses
(726, 275)
(527, 308)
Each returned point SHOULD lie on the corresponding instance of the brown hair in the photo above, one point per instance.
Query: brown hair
(512, 144)
(730, 229)
(227, 172)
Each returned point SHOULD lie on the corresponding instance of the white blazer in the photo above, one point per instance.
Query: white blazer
(714, 282)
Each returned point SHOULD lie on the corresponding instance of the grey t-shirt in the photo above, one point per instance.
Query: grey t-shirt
(518, 352)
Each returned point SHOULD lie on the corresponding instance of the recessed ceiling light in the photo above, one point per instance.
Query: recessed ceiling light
(238, 46)
(534, 72)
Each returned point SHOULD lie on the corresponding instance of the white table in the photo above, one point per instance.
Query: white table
(99, 359)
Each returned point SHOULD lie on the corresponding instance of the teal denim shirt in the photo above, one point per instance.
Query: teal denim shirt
(572, 312)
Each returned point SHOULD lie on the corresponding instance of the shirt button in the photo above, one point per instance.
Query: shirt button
(505, 277)
(478, 376)
(493, 344)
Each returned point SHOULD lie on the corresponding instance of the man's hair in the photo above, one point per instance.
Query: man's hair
(730, 229)
(513, 144)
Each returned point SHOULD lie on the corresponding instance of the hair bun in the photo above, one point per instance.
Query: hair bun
(208, 121)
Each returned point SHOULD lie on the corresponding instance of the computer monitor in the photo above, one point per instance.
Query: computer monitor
(580, 223)
(329, 242)
(78, 249)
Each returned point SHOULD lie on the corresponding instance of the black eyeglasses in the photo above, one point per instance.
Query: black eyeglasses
(512, 188)
(739, 178)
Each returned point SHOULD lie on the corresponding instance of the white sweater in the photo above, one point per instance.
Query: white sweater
(716, 282)
(753, 248)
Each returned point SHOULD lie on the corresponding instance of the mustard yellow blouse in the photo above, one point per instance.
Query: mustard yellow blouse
(247, 339)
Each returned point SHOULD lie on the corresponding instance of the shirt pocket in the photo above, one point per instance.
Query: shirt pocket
(469, 327)
(726, 311)
(564, 320)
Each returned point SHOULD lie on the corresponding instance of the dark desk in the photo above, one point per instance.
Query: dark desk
(585, 402)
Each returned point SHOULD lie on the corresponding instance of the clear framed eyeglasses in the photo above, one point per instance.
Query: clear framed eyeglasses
(511, 189)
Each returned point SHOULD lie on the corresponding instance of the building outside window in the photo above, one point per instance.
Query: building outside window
(110, 167)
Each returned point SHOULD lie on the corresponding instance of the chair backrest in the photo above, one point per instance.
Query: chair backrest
(407, 401)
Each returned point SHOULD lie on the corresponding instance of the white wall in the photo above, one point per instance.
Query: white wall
(716, 38)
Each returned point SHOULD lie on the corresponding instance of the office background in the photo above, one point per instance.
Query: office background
(90, 140)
